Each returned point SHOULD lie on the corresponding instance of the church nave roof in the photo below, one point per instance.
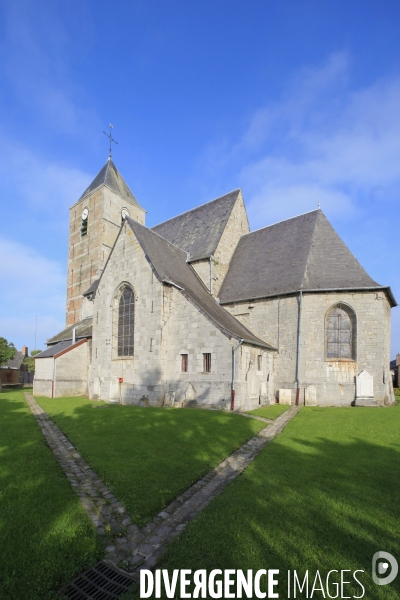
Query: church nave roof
(169, 263)
(302, 253)
(198, 231)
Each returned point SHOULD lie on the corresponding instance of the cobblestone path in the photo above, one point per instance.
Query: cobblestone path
(129, 546)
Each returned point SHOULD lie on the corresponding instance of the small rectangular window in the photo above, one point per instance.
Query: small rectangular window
(151, 344)
(184, 363)
(259, 362)
(207, 362)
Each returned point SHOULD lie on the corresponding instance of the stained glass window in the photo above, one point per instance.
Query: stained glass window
(126, 311)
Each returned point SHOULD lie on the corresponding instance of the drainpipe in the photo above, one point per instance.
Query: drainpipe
(52, 381)
(233, 373)
(298, 349)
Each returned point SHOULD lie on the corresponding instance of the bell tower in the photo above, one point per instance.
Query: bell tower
(95, 221)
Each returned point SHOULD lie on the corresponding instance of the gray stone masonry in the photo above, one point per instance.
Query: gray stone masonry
(128, 546)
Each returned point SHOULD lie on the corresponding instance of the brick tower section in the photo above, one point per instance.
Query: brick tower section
(106, 200)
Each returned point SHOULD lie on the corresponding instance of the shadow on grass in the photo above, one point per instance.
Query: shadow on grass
(324, 495)
(46, 538)
(148, 456)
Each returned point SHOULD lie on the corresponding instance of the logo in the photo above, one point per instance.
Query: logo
(380, 566)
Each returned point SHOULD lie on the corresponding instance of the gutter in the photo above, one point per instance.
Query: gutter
(380, 288)
(54, 375)
(172, 283)
(298, 348)
(234, 373)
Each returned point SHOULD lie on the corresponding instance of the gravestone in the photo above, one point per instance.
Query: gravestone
(365, 389)
(169, 398)
(190, 393)
(285, 396)
(96, 387)
(114, 390)
(310, 396)
(264, 398)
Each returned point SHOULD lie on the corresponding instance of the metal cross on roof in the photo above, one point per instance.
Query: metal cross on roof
(110, 137)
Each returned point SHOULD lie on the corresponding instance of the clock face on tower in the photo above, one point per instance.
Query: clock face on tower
(85, 213)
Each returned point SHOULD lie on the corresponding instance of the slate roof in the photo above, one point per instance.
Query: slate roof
(54, 349)
(92, 289)
(14, 363)
(169, 263)
(199, 230)
(112, 178)
(83, 330)
(303, 253)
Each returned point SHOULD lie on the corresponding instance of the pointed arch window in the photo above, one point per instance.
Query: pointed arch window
(126, 314)
(341, 333)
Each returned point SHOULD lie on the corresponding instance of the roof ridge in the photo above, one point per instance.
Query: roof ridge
(311, 240)
(160, 236)
(283, 221)
(196, 207)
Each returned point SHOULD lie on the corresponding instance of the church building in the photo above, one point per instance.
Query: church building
(201, 311)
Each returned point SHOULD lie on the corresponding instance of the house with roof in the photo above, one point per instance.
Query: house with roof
(14, 371)
(200, 311)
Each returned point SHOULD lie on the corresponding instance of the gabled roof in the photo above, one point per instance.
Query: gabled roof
(198, 231)
(54, 349)
(60, 348)
(112, 178)
(92, 289)
(14, 363)
(83, 330)
(170, 266)
(303, 253)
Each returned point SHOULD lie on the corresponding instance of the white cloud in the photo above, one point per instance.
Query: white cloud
(38, 182)
(322, 141)
(30, 286)
(36, 55)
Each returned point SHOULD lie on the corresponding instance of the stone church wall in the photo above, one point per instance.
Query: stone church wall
(42, 382)
(167, 325)
(141, 374)
(237, 225)
(89, 253)
(276, 321)
(188, 331)
(71, 372)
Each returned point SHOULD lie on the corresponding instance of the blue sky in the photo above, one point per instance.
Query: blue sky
(293, 101)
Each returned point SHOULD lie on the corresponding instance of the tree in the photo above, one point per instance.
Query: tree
(29, 361)
(7, 352)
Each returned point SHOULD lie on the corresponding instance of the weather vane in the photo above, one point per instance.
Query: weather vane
(110, 137)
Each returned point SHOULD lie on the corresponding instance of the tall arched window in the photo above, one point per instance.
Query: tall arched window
(126, 312)
(341, 333)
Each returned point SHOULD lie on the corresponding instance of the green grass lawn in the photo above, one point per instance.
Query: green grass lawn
(148, 456)
(46, 537)
(323, 495)
(269, 412)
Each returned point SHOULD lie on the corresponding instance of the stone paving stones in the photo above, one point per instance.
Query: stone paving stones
(127, 545)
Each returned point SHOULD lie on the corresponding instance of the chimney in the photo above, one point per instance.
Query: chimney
(24, 350)
(73, 336)
(397, 360)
